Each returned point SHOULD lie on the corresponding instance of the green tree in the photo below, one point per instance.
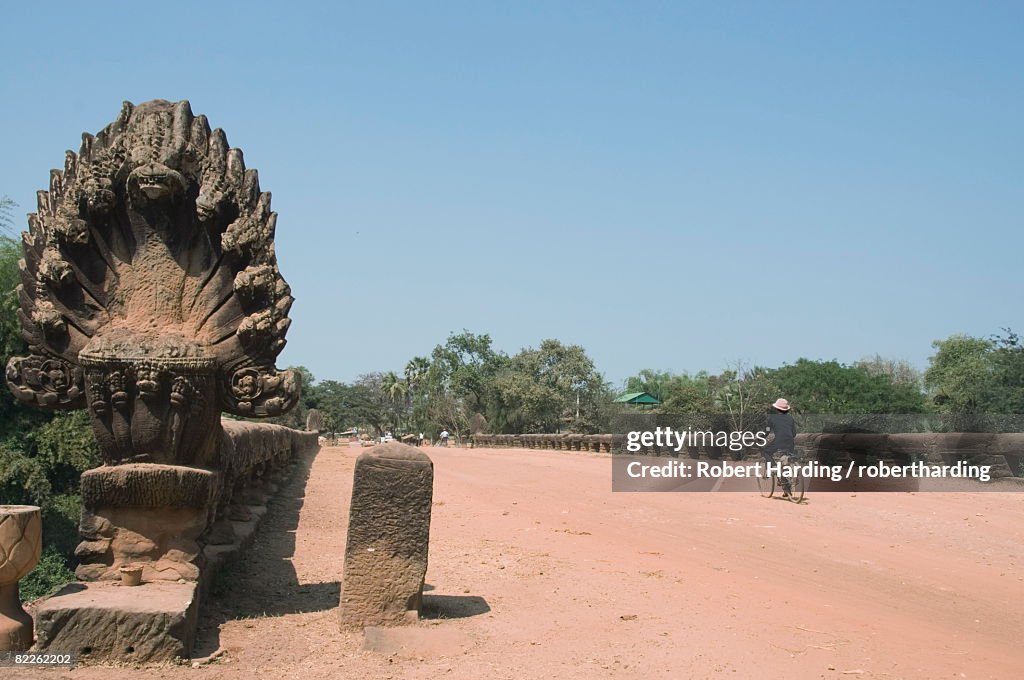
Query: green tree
(960, 374)
(523, 403)
(374, 404)
(395, 388)
(444, 411)
(334, 400)
(831, 387)
(397, 392)
(678, 392)
(741, 394)
(549, 388)
(1007, 373)
(969, 375)
(16, 420)
(456, 383)
(416, 373)
(898, 371)
(464, 367)
(6, 219)
(658, 384)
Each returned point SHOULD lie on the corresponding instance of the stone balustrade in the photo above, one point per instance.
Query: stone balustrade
(1003, 452)
(596, 443)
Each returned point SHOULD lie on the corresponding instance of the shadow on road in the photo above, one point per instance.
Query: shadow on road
(262, 581)
(453, 606)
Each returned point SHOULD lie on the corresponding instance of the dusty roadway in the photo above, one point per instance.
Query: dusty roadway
(537, 570)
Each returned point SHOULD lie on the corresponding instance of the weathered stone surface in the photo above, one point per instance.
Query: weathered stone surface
(165, 540)
(388, 537)
(910, 446)
(151, 291)
(109, 622)
(999, 451)
(975, 448)
(20, 546)
(1009, 448)
(251, 451)
(144, 513)
(146, 485)
(314, 420)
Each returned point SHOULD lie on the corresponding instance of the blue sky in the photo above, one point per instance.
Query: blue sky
(671, 185)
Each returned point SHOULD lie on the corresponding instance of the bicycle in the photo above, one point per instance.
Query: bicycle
(797, 484)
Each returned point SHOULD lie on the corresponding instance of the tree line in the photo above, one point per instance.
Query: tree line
(465, 385)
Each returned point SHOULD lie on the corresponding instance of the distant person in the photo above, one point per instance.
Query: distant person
(419, 440)
(444, 437)
(783, 428)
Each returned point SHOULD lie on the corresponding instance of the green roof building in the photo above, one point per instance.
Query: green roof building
(638, 399)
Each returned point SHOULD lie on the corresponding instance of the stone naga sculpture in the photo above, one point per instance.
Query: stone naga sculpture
(150, 290)
(151, 296)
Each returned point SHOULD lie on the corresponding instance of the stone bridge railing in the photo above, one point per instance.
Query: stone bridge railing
(1004, 452)
(251, 452)
(173, 519)
(598, 443)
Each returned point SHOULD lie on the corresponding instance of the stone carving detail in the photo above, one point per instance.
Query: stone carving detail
(48, 382)
(150, 292)
(20, 547)
(256, 392)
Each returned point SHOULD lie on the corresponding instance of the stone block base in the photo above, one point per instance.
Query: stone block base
(147, 514)
(109, 622)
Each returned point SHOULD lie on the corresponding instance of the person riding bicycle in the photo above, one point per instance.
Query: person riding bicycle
(782, 425)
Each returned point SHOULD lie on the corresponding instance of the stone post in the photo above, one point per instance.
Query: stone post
(21, 543)
(388, 537)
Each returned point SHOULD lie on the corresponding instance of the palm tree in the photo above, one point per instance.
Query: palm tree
(416, 371)
(396, 390)
(6, 204)
(392, 386)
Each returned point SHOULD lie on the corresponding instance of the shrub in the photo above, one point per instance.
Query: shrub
(50, 574)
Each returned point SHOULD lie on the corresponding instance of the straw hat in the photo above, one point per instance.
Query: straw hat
(781, 404)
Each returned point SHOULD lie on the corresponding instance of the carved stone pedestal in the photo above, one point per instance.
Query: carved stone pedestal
(145, 514)
(141, 514)
(20, 547)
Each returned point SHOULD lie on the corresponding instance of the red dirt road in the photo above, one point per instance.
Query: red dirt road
(538, 570)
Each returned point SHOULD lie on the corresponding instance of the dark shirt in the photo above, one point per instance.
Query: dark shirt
(784, 427)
